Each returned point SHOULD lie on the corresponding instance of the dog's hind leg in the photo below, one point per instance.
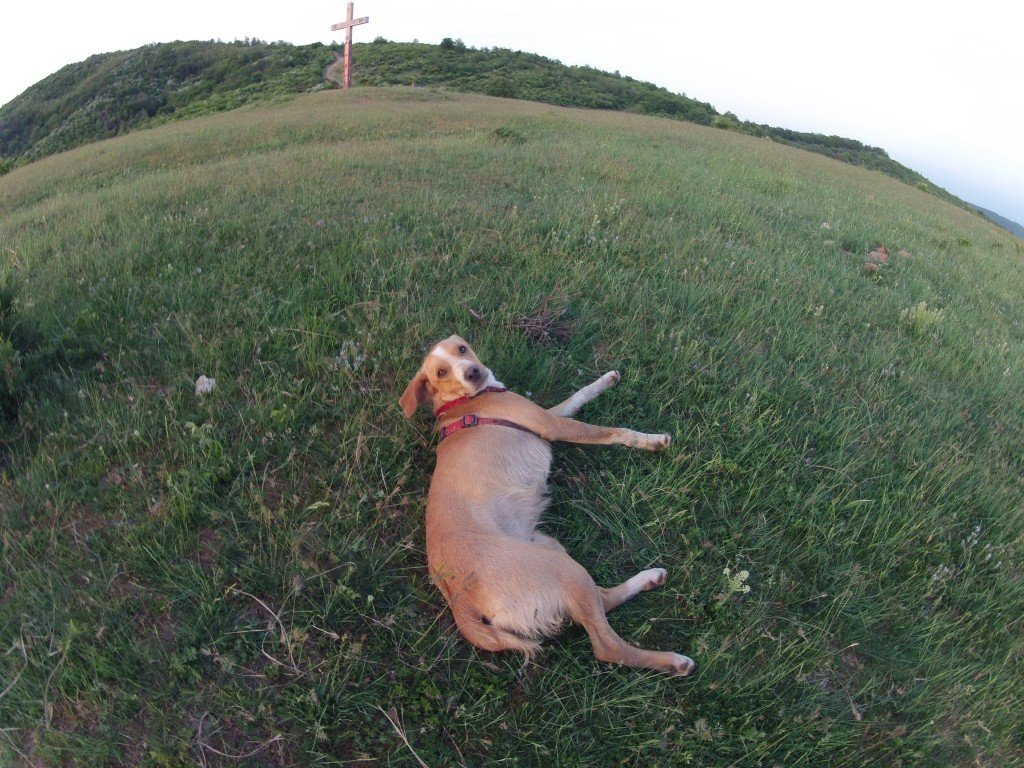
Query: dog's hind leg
(586, 606)
(572, 405)
(613, 597)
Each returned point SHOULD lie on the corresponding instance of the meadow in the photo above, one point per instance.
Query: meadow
(238, 578)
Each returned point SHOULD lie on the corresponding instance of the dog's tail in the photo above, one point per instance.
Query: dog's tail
(486, 634)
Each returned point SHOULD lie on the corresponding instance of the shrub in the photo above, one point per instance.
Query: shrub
(729, 121)
(508, 135)
(501, 87)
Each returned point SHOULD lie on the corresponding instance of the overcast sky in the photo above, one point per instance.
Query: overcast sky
(937, 85)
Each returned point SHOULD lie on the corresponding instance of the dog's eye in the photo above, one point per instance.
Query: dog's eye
(462, 349)
(441, 373)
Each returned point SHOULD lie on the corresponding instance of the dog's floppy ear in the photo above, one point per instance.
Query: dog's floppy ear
(417, 392)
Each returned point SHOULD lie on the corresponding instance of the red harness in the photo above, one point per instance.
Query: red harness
(471, 419)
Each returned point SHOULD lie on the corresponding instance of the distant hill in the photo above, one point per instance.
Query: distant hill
(112, 93)
(1008, 224)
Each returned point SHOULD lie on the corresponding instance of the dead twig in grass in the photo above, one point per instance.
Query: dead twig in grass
(6, 733)
(14, 682)
(280, 625)
(260, 748)
(204, 747)
(392, 717)
(548, 324)
(20, 645)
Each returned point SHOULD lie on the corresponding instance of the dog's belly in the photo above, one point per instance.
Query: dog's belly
(520, 493)
(507, 486)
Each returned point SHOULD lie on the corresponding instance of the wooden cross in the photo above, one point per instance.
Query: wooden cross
(346, 81)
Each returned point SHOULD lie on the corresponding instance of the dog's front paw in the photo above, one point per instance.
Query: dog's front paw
(608, 381)
(681, 666)
(659, 442)
(651, 578)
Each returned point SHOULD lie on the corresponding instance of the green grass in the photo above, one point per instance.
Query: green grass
(184, 578)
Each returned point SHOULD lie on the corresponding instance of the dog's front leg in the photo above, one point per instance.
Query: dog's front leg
(572, 405)
(572, 431)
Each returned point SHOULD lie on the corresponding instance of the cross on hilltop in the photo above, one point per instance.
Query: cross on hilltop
(347, 24)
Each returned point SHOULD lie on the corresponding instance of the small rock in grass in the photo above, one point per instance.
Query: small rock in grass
(204, 385)
(904, 254)
(878, 256)
(113, 478)
(871, 267)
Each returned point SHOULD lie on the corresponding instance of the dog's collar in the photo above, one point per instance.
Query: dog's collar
(465, 399)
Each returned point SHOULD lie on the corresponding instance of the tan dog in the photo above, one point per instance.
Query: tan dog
(507, 583)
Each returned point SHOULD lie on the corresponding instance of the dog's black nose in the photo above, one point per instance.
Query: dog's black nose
(473, 373)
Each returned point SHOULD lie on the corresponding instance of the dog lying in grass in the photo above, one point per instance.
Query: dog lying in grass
(508, 584)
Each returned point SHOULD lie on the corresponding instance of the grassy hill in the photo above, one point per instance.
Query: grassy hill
(239, 579)
(112, 93)
(1002, 221)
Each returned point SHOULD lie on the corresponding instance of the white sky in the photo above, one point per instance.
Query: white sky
(938, 85)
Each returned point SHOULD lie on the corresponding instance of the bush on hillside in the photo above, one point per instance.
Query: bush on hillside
(728, 121)
(501, 87)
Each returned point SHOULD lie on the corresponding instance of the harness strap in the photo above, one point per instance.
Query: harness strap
(472, 420)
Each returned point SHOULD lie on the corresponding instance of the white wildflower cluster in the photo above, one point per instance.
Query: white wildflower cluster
(351, 357)
(735, 583)
(974, 540)
(921, 318)
(613, 209)
(814, 311)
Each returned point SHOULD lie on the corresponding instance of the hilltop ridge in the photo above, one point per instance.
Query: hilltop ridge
(111, 93)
